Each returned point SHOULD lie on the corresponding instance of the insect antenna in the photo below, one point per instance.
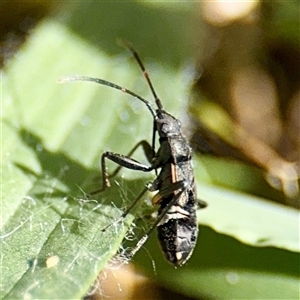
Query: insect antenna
(129, 47)
(110, 84)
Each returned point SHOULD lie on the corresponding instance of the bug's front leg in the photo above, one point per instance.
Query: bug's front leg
(148, 151)
(122, 161)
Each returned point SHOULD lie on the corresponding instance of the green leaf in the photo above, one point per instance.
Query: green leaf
(248, 248)
(251, 220)
(53, 136)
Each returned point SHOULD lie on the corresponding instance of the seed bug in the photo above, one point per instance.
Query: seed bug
(176, 222)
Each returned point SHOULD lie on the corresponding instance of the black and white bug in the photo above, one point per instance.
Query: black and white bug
(176, 222)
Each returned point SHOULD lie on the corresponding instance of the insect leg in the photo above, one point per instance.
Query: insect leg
(123, 161)
(148, 151)
(170, 189)
(142, 241)
(201, 204)
(128, 210)
(166, 191)
(154, 130)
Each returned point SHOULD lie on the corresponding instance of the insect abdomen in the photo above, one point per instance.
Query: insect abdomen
(177, 234)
